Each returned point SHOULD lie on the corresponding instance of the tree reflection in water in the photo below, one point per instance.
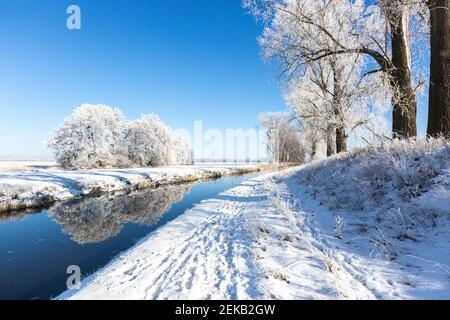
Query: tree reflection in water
(92, 220)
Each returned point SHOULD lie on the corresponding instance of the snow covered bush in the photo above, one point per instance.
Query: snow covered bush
(99, 136)
(92, 136)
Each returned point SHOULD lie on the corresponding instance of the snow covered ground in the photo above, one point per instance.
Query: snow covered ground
(372, 224)
(30, 187)
(7, 165)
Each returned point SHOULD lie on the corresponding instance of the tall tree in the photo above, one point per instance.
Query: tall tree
(301, 32)
(338, 107)
(403, 98)
(439, 95)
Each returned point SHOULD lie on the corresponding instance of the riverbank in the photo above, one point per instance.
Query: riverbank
(36, 188)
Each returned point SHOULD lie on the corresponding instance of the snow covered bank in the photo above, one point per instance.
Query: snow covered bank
(387, 207)
(28, 189)
(290, 236)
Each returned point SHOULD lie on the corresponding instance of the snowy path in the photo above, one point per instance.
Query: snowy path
(255, 242)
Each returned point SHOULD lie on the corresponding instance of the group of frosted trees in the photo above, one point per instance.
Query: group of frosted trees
(284, 141)
(345, 63)
(97, 136)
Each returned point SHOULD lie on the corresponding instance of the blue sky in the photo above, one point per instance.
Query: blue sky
(184, 60)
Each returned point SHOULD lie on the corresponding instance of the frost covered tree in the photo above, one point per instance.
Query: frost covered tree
(299, 33)
(313, 135)
(99, 136)
(92, 136)
(150, 142)
(181, 151)
(335, 104)
(283, 140)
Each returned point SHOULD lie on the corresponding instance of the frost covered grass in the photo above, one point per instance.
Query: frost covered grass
(388, 206)
(29, 189)
(404, 181)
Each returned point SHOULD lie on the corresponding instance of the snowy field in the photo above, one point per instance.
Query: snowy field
(33, 184)
(6, 165)
(372, 224)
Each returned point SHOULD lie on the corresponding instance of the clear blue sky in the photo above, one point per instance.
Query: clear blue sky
(184, 60)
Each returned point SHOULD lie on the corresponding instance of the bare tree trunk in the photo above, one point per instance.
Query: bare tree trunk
(404, 98)
(331, 140)
(313, 149)
(341, 140)
(439, 96)
(338, 101)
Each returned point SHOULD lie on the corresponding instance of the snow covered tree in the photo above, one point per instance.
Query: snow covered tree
(99, 136)
(150, 142)
(333, 102)
(397, 13)
(91, 137)
(302, 32)
(283, 140)
(181, 151)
